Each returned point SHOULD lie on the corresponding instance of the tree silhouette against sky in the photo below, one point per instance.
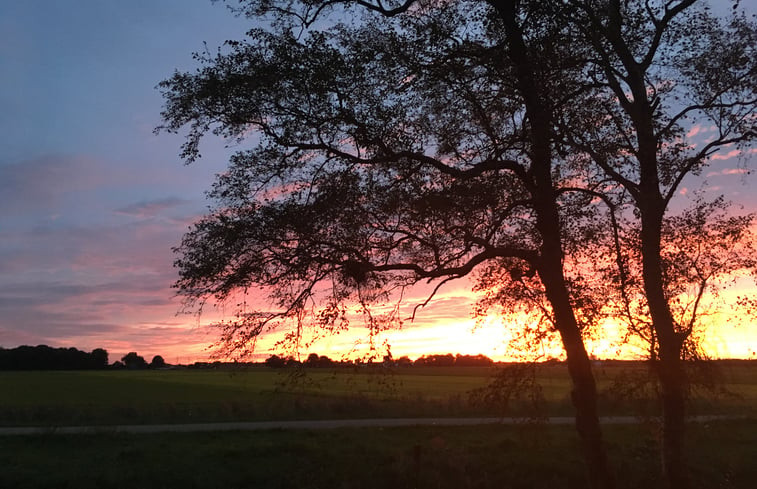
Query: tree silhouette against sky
(527, 144)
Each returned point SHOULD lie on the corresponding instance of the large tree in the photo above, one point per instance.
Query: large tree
(411, 141)
(669, 69)
(392, 149)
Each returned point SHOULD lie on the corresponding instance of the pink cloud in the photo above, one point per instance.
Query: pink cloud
(694, 131)
(729, 171)
(727, 156)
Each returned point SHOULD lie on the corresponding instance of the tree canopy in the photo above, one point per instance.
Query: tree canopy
(43, 357)
(386, 153)
(537, 144)
(134, 361)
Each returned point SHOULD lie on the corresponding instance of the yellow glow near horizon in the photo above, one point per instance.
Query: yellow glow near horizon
(445, 326)
(490, 337)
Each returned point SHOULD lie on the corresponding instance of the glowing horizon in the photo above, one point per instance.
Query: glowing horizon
(438, 330)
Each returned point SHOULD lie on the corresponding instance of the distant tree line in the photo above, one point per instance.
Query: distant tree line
(446, 360)
(457, 361)
(134, 361)
(44, 357)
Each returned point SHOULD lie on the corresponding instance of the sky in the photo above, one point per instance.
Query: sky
(91, 200)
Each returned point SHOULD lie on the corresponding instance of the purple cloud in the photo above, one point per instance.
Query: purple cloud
(41, 184)
(151, 208)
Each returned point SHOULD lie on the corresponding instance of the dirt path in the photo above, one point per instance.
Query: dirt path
(305, 425)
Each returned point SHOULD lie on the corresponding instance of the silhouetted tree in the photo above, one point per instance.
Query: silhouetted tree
(99, 358)
(404, 361)
(157, 362)
(43, 357)
(292, 362)
(447, 360)
(132, 361)
(473, 361)
(315, 360)
(275, 361)
(668, 70)
(500, 135)
(442, 160)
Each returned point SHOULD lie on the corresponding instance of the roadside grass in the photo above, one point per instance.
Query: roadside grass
(55, 398)
(534, 456)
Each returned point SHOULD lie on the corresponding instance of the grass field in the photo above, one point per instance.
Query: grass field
(722, 455)
(527, 455)
(133, 397)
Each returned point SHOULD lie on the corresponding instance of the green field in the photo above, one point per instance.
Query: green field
(259, 393)
(722, 455)
(526, 455)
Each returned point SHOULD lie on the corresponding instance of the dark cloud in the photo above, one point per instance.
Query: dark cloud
(151, 208)
(50, 324)
(53, 293)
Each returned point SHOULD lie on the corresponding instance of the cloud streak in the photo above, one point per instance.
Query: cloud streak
(42, 183)
(151, 208)
(728, 171)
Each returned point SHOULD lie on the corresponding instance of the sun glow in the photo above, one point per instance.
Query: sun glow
(445, 325)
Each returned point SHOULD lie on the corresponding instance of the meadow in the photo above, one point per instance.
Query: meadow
(529, 454)
(721, 455)
(58, 398)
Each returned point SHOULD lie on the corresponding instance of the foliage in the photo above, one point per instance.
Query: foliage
(705, 249)
(663, 77)
(133, 361)
(157, 362)
(43, 357)
(537, 143)
(361, 186)
(275, 361)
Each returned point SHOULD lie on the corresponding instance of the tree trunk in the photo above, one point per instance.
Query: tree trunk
(550, 267)
(584, 391)
(671, 372)
(584, 398)
(673, 382)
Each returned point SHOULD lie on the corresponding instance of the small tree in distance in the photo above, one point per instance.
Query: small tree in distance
(157, 362)
(275, 361)
(99, 358)
(132, 361)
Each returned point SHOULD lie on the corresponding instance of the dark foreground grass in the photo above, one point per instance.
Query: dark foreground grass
(722, 455)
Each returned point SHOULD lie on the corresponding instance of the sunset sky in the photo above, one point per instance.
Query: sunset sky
(91, 201)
